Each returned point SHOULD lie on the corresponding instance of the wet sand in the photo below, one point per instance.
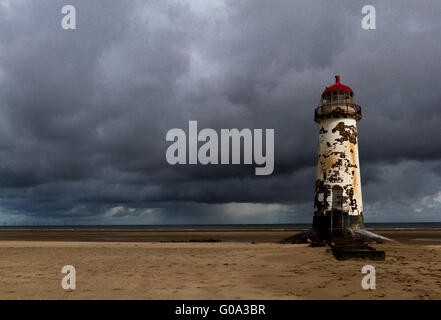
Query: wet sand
(140, 266)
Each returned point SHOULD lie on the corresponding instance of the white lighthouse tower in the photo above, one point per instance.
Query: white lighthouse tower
(338, 204)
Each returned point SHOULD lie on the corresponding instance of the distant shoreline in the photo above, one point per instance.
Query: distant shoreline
(385, 226)
(260, 236)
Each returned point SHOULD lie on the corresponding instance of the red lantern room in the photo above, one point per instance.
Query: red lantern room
(337, 101)
(338, 92)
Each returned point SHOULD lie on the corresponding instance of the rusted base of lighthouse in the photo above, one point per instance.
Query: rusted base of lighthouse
(336, 223)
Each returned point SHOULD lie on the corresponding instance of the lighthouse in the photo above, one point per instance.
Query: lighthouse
(338, 205)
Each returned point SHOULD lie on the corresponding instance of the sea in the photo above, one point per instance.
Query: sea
(385, 226)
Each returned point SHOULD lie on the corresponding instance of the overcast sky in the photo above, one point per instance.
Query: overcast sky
(84, 113)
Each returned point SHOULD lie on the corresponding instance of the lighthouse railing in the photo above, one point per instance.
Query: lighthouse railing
(338, 109)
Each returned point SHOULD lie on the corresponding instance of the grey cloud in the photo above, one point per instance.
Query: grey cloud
(84, 113)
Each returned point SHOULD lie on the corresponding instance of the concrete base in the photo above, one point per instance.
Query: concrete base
(350, 245)
(361, 254)
(350, 249)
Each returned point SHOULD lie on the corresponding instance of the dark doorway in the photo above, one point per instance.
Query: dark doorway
(337, 196)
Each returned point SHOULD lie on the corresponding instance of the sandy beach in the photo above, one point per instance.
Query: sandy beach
(244, 265)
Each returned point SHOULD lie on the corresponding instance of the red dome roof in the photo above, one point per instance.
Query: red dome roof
(337, 86)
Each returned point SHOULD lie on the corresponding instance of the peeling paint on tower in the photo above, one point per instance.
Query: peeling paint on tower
(338, 202)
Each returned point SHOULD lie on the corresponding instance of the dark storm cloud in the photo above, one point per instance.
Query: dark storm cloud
(84, 113)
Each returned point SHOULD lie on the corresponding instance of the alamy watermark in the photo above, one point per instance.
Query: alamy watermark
(369, 20)
(69, 21)
(69, 280)
(369, 280)
(230, 140)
